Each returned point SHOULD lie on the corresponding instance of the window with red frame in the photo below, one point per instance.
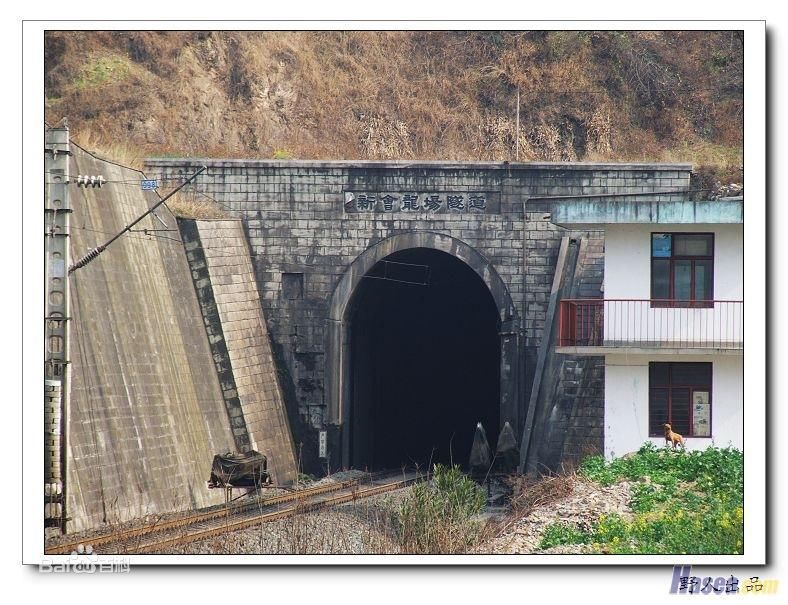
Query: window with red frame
(680, 395)
(682, 269)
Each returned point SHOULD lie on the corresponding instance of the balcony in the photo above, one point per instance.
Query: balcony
(599, 326)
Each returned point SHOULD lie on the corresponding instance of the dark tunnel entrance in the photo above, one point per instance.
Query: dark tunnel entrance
(424, 361)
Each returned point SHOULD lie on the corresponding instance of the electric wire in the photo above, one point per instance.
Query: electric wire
(92, 254)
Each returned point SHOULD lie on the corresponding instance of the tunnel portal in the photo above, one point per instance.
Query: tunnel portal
(424, 361)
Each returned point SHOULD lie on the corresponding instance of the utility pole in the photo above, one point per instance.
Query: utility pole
(57, 368)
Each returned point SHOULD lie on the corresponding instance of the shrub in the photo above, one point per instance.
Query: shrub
(439, 517)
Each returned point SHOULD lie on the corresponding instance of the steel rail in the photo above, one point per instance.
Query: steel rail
(201, 517)
(210, 532)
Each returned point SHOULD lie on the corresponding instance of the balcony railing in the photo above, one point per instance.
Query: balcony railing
(712, 324)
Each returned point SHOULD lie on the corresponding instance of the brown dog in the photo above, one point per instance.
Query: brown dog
(673, 438)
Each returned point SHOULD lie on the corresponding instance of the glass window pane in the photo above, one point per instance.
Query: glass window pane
(661, 244)
(658, 411)
(658, 374)
(660, 278)
(692, 245)
(679, 410)
(682, 275)
(691, 374)
(703, 269)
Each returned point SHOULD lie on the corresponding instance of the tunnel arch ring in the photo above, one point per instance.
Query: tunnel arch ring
(421, 239)
(337, 333)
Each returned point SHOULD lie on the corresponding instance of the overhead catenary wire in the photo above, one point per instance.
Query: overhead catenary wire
(135, 182)
(100, 232)
(99, 158)
(92, 254)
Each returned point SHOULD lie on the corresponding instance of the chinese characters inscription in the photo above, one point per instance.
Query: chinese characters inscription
(433, 202)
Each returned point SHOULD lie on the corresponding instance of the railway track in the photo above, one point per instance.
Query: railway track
(163, 535)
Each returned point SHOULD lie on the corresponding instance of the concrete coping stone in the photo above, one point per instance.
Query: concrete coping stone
(218, 220)
(408, 164)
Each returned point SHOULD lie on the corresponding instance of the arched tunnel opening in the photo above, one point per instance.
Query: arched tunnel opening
(424, 362)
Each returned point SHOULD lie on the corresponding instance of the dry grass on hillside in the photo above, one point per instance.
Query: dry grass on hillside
(650, 96)
(185, 205)
(121, 151)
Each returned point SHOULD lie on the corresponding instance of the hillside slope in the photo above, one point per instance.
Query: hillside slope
(649, 96)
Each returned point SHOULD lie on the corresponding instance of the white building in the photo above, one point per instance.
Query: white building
(670, 325)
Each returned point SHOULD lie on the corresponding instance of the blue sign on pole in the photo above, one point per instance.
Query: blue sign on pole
(149, 184)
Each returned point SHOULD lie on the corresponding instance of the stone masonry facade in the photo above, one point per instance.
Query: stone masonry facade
(307, 221)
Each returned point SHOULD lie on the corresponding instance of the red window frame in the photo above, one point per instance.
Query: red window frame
(672, 301)
(658, 430)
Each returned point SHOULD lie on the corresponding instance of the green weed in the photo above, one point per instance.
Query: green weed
(101, 71)
(684, 503)
(563, 533)
(439, 517)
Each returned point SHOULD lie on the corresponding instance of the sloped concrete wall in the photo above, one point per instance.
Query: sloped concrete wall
(585, 427)
(146, 413)
(218, 250)
(568, 403)
(576, 405)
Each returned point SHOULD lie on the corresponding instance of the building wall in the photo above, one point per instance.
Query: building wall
(299, 223)
(626, 402)
(628, 276)
(628, 259)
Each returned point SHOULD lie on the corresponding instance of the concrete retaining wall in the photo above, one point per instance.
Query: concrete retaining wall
(146, 413)
(224, 279)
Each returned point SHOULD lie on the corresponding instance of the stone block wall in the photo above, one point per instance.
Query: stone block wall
(308, 220)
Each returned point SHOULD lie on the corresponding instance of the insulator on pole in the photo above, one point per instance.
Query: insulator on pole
(86, 259)
(84, 180)
(99, 249)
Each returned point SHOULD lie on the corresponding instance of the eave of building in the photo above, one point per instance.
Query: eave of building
(595, 213)
(651, 351)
